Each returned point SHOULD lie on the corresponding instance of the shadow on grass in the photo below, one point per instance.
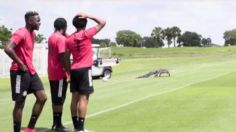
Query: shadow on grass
(41, 129)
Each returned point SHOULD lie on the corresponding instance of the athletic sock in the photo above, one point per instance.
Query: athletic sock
(33, 121)
(81, 123)
(75, 122)
(17, 126)
(57, 118)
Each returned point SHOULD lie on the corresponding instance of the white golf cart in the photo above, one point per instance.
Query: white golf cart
(103, 62)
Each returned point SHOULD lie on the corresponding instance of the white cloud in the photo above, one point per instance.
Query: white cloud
(207, 17)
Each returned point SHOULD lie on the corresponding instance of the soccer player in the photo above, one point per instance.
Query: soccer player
(24, 79)
(80, 46)
(56, 73)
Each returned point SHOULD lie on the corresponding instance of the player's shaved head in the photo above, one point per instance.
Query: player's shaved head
(79, 23)
(60, 23)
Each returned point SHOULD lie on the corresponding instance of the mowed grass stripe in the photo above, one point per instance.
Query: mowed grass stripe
(136, 88)
(203, 107)
(142, 99)
(123, 105)
(118, 94)
(123, 88)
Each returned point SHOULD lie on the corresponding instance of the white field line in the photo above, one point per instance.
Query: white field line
(138, 100)
(135, 101)
(144, 98)
(8, 100)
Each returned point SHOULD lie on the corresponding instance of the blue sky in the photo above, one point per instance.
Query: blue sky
(210, 18)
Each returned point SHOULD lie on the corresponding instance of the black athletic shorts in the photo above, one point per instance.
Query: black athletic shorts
(58, 91)
(23, 83)
(81, 81)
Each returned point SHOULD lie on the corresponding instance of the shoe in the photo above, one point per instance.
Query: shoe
(29, 130)
(82, 130)
(59, 128)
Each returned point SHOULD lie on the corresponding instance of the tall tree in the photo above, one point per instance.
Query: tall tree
(5, 34)
(206, 41)
(39, 38)
(176, 32)
(209, 41)
(149, 42)
(190, 39)
(157, 37)
(168, 35)
(230, 37)
(128, 38)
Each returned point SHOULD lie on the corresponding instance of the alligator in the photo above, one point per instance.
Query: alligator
(157, 73)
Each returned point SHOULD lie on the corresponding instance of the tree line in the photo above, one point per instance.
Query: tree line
(5, 34)
(171, 36)
(159, 36)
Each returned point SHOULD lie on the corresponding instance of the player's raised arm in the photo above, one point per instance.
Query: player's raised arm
(100, 22)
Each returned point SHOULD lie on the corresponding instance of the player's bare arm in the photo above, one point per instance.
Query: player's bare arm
(100, 22)
(65, 61)
(9, 50)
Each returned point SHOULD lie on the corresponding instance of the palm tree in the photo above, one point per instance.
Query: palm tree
(168, 35)
(157, 36)
(39, 38)
(176, 32)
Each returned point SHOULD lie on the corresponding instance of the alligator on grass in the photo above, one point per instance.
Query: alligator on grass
(156, 73)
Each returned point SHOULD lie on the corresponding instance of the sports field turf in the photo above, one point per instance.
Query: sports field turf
(200, 95)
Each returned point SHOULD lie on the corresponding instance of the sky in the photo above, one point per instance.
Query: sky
(210, 18)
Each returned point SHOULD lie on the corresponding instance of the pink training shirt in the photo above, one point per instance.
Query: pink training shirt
(24, 41)
(56, 46)
(80, 46)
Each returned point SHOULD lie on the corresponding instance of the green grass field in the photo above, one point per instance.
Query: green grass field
(200, 95)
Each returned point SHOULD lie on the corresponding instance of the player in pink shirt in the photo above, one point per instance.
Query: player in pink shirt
(56, 74)
(79, 45)
(24, 79)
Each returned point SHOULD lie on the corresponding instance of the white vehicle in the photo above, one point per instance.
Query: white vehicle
(103, 62)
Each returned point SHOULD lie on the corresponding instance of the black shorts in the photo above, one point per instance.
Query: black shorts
(23, 83)
(81, 81)
(58, 90)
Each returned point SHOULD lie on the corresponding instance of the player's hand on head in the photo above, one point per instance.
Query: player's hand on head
(81, 15)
